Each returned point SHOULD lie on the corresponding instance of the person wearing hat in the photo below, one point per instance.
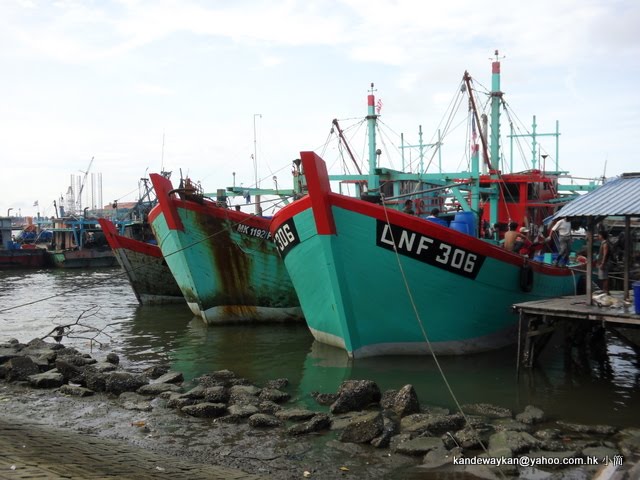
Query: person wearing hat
(523, 244)
(512, 236)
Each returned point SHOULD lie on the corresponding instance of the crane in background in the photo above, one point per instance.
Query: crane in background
(84, 180)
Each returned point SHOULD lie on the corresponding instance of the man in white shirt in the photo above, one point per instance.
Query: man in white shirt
(563, 229)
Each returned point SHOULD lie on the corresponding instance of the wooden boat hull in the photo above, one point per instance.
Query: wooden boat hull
(224, 262)
(147, 271)
(22, 258)
(84, 258)
(358, 294)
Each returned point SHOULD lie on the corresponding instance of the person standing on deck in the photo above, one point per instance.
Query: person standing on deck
(563, 229)
(512, 236)
(408, 207)
(604, 255)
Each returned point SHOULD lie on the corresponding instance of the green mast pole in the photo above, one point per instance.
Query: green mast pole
(374, 182)
(496, 96)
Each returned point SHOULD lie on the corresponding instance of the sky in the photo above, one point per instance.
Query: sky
(201, 86)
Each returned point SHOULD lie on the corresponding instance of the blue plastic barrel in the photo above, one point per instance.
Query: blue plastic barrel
(437, 220)
(462, 227)
(469, 218)
(636, 296)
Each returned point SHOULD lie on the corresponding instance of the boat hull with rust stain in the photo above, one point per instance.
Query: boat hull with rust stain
(224, 261)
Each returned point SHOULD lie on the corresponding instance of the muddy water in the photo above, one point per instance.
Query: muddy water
(605, 391)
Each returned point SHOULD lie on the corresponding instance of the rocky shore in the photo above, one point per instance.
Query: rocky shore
(357, 432)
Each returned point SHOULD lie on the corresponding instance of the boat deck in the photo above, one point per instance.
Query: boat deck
(540, 319)
(578, 307)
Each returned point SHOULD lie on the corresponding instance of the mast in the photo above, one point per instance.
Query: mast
(496, 97)
(373, 181)
(346, 144)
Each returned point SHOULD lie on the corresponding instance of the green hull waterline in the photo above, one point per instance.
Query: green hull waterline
(226, 276)
(356, 297)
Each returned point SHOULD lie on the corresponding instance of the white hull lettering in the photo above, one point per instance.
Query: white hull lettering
(286, 237)
(429, 250)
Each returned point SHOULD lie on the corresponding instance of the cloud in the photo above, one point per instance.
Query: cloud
(152, 89)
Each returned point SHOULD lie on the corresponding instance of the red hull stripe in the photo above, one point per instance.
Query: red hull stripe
(163, 186)
(116, 241)
(315, 171)
(325, 201)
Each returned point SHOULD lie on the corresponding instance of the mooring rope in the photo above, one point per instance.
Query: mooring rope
(426, 337)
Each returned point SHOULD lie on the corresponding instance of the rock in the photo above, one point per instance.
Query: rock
(422, 422)
(363, 429)
(78, 360)
(579, 428)
(320, 421)
(180, 401)
(439, 457)
(507, 443)
(113, 358)
(69, 371)
(509, 424)
(94, 380)
(390, 427)
(155, 371)
(548, 434)
(269, 407)
(50, 379)
(629, 445)
(223, 378)
(273, 395)
(487, 410)
(278, 383)
(531, 415)
(406, 401)
(215, 394)
(324, 399)
(388, 398)
(158, 388)
(243, 399)
(75, 391)
(261, 420)
(196, 392)
(600, 453)
(242, 411)
(205, 410)
(241, 390)
(355, 395)
(434, 410)
(295, 414)
(418, 446)
(20, 368)
(467, 437)
(170, 377)
(37, 347)
(104, 367)
(119, 382)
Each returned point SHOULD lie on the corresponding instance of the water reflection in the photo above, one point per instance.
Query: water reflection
(596, 386)
(605, 391)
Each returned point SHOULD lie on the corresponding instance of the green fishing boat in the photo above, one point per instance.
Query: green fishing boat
(374, 280)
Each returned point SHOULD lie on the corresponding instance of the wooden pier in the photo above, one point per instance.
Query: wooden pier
(540, 319)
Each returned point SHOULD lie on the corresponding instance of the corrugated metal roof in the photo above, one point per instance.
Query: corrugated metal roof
(620, 196)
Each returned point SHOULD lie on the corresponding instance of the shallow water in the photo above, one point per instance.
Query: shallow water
(604, 392)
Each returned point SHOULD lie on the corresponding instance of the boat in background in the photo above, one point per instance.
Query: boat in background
(16, 255)
(223, 260)
(143, 264)
(79, 242)
(373, 280)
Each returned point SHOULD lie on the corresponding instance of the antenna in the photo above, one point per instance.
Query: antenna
(162, 157)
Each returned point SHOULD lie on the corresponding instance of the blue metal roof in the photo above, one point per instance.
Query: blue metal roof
(617, 197)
